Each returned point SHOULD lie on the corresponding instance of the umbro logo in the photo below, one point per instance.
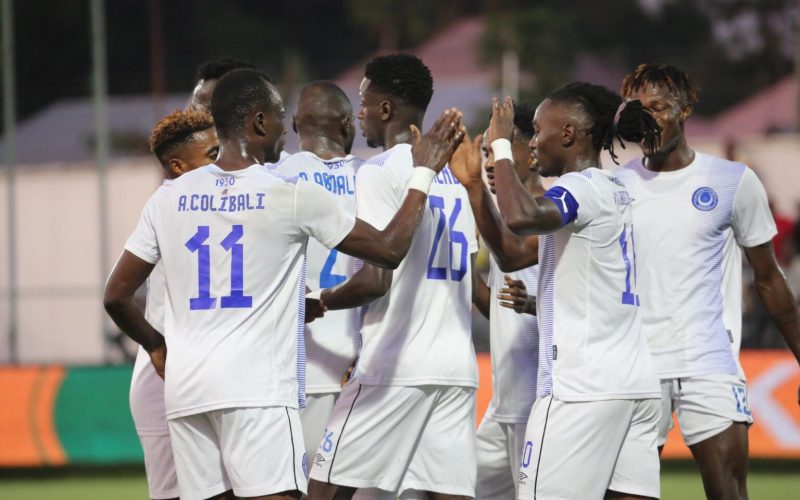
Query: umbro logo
(319, 458)
(522, 477)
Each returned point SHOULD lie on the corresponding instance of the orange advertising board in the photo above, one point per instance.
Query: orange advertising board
(772, 380)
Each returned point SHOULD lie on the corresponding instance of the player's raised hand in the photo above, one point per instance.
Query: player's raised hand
(434, 149)
(158, 357)
(466, 161)
(515, 296)
(501, 125)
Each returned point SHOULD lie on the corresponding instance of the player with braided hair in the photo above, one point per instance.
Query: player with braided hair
(693, 212)
(592, 429)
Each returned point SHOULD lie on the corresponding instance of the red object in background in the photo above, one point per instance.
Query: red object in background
(781, 240)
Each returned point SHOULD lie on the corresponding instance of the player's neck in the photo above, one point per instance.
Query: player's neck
(322, 147)
(400, 135)
(237, 156)
(670, 159)
(582, 161)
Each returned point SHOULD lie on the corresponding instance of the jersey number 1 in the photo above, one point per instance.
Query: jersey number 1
(204, 300)
(628, 297)
(457, 237)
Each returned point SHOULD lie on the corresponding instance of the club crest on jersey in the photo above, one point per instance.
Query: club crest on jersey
(705, 199)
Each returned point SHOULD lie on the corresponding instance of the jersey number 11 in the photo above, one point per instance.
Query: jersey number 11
(237, 298)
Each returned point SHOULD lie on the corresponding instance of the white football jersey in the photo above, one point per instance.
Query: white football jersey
(514, 346)
(420, 332)
(686, 223)
(233, 247)
(331, 341)
(591, 346)
(147, 388)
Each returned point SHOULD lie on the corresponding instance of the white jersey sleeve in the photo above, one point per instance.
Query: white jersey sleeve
(143, 243)
(752, 220)
(377, 194)
(318, 213)
(580, 203)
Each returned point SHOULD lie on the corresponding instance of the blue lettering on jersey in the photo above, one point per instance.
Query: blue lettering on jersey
(340, 184)
(446, 177)
(211, 203)
(705, 199)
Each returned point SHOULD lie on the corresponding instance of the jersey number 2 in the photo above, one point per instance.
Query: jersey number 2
(456, 237)
(204, 300)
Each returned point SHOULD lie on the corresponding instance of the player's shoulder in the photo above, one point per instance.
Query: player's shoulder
(720, 166)
(398, 155)
(630, 169)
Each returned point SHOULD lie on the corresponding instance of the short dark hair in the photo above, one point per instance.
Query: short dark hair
(677, 81)
(176, 129)
(401, 76)
(610, 119)
(217, 68)
(523, 118)
(235, 96)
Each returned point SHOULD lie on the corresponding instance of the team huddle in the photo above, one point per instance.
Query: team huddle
(308, 319)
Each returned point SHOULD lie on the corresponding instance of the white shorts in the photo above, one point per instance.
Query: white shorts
(705, 406)
(162, 482)
(498, 452)
(314, 418)
(580, 450)
(254, 451)
(398, 438)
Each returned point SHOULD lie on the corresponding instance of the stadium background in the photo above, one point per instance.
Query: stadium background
(84, 81)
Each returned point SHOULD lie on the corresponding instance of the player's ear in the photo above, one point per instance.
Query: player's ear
(686, 112)
(177, 167)
(294, 123)
(569, 132)
(260, 123)
(385, 110)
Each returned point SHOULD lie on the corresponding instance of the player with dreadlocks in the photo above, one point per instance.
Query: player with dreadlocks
(182, 141)
(592, 428)
(692, 213)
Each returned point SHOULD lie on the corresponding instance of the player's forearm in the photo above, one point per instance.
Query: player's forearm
(363, 287)
(520, 211)
(481, 293)
(129, 318)
(389, 247)
(509, 249)
(779, 302)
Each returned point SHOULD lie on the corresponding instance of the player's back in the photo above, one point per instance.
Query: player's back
(420, 331)
(232, 253)
(591, 346)
(331, 341)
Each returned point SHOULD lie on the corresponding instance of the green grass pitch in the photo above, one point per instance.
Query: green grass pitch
(100, 485)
